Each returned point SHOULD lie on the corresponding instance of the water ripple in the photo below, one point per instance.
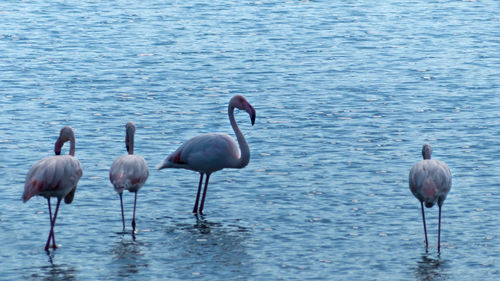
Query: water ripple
(345, 93)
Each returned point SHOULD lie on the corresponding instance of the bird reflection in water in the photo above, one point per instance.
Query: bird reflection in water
(128, 258)
(203, 226)
(430, 269)
(218, 247)
(54, 271)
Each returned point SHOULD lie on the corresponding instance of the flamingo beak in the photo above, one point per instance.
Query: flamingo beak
(251, 112)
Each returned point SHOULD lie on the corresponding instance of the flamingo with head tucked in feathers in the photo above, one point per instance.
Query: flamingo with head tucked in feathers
(129, 172)
(209, 153)
(430, 182)
(55, 176)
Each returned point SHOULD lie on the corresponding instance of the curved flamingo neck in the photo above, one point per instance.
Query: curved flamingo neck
(72, 146)
(426, 152)
(129, 142)
(65, 135)
(245, 150)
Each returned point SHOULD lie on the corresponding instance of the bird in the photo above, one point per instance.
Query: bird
(55, 176)
(430, 182)
(129, 172)
(208, 153)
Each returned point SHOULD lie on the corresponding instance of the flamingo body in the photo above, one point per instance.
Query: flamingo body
(209, 153)
(128, 172)
(205, 153)
(55, 176)
(430, 182)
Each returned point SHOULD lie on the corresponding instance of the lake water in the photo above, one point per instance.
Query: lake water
(346, 93)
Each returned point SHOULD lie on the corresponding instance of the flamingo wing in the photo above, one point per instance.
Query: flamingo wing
(204, 153)
(53, 176)
(430, 181)
(442, 177)
(128, 172)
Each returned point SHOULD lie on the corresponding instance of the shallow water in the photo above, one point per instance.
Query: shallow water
(346, 93)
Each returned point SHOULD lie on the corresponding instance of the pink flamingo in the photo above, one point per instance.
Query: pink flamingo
(129, 172)
(209, 153)
(430, 181)
(55, 176)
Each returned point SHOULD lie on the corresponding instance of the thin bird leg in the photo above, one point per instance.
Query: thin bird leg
(51, 234)
(123, 217)
(425, 228)
(195, 209)
(204, 194)
(50, 215)
(439, 230)
(133, 218)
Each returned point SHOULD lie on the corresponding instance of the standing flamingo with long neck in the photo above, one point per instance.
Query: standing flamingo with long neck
(129, 172)
(430, 182)
(209, 153)
(55, 176)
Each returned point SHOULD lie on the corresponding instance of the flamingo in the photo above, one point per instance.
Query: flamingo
(209, 153)
(55, 176)
(430, 182)
(129, 172)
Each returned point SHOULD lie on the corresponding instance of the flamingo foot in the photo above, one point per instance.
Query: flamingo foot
(53, 246)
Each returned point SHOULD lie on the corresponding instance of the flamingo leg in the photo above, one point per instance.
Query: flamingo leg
(51, 233)
(425, 228)
(133, 217)
(50, 215)
(195, 209)
(439, 230)
(123, 217)
(204, 194)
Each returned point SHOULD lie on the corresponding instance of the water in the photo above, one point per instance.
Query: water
(346, 93)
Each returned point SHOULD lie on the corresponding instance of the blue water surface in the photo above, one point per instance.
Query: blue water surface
(346, 93)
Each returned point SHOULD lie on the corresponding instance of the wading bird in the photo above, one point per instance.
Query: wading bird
(129, 172)
(209, 153)
(55, 176)
(430, 181)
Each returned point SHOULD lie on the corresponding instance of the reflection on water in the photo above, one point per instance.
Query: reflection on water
(203, 226)
(216, 248)
(128, 257)
(54, 271)
(429, 269)
(346, 93)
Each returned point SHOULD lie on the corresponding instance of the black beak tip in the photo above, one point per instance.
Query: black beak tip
(57, 152)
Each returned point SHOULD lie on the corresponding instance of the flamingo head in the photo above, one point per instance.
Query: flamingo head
(426, 151)
(241, 103)
(66, 134)
(129, 138)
